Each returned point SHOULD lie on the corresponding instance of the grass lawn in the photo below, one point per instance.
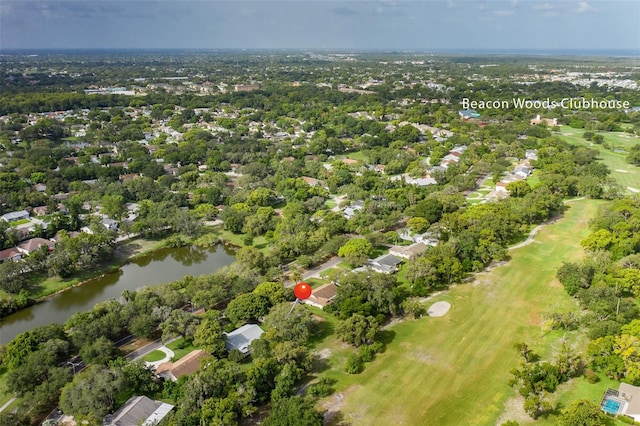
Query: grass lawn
(180, 348)
(154, 356)
(330, 203)
(5, 395)
(359, 156)
(259, 242)
(624, 173)
(453, 370)
(316, 282)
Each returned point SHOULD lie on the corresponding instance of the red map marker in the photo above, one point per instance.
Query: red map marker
(302, 291)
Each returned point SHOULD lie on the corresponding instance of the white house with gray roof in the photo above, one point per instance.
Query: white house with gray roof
(241, 338)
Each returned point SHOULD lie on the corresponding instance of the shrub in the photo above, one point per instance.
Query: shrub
(235, 355)
(323, 388)
(367, 353)
(591, 376)
(354, 364)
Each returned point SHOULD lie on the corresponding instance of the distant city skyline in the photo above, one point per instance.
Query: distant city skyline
(358, 25)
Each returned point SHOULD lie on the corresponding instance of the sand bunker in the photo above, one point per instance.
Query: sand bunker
(438, 309)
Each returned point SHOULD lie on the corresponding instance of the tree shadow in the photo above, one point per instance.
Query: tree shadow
(319, 364)
(321, 331)
(385, 337)
(335, 418)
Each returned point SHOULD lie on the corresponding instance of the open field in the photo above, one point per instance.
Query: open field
(454, 369)
(624, 173)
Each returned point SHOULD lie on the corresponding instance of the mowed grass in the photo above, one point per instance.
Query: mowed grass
(624, 173)
(152, 356)
(454, 370)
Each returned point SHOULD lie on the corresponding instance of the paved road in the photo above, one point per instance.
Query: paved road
(7, 404)
(315, 272)
(143, 350)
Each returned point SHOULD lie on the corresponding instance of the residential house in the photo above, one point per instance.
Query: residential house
(424, 181)
(311, 181)
(625, 401)
(128, 176)
(138, 410)
(350, 212)
(40, 210)
(386, 264)
(467, 114)
(547, 121)
(322, 296)
(427, 238)
(110, 224)
(40, 187)
(241, 338)
(10, 254)
(245, 87)
(186, 366)
(531, 154)
(408, 252)
(522, 171)
(58, 237)
(15, 216)
(380, 168)
(170, 170)
(29, 246)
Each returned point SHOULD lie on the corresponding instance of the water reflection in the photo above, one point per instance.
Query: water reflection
(161, 266)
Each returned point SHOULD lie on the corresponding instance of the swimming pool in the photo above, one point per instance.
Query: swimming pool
(611, 406)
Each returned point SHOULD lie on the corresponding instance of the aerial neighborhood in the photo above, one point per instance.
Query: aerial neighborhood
(157, 220)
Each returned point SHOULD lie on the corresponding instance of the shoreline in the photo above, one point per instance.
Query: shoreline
(119, 263)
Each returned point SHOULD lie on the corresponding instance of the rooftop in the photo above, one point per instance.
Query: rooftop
(241, 338)
(138, 410)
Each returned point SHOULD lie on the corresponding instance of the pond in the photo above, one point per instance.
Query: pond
(161, 266)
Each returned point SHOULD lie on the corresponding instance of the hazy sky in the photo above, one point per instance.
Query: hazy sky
(347, 24)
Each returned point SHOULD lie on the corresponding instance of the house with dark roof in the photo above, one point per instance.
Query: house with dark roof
(138, 410)
(386, 264)
(241, 338)
(322, 296)
(186, 366)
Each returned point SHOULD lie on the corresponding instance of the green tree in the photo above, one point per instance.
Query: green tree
(273, 290)
(357, 247)
(358, 330)
(91, 395)
(584, 413)
(248, 306)
(210, 336)
(294, 411)
(418, 224)
(519, 188)
(634, 155)
(179, 324)
(113, 206)
(283, 324)
(100, 351)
